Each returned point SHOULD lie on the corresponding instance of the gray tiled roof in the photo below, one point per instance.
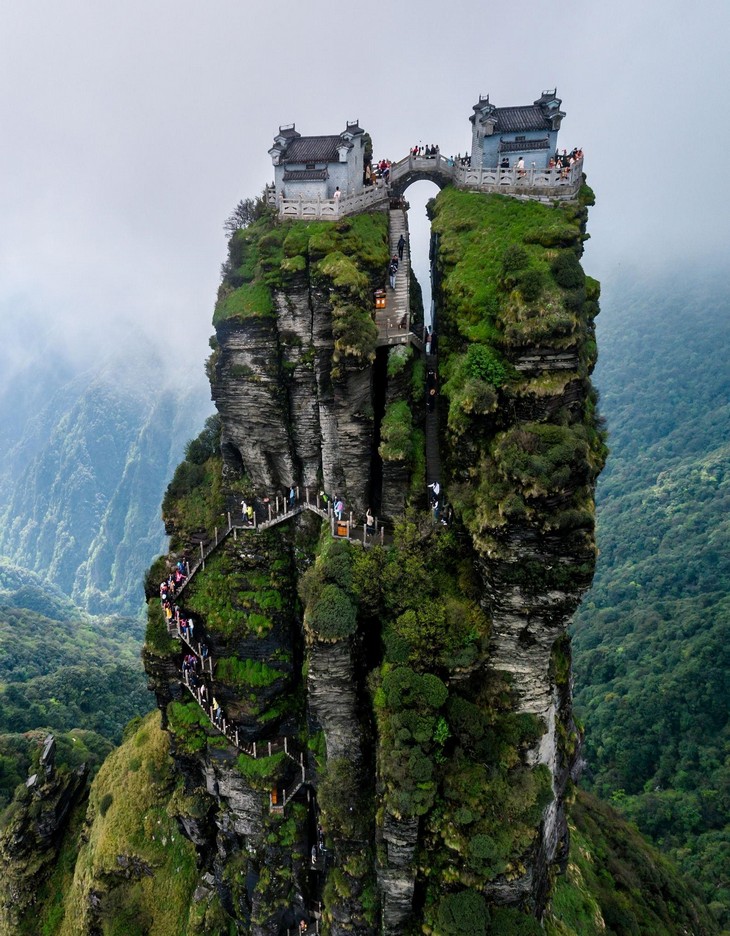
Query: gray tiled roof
(313, 149)
(517, 119)
(305, 175)
(516, 146)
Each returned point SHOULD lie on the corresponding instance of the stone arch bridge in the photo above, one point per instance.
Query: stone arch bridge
(412, 168)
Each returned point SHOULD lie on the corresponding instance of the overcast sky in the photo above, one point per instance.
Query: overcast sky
(130, 130)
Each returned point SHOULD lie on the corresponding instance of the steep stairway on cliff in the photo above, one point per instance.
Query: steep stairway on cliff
(433, 457)
(394, 320)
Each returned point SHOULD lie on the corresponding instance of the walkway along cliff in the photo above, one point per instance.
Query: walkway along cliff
(392, 739)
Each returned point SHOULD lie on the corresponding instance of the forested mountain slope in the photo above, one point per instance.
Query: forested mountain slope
(61, 669)
(84, 462)
(651, 639)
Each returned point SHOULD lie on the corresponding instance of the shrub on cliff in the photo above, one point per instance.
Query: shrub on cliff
(543, 458)
(355, 333)
(334, 616)
(463, 914)
(396, 432)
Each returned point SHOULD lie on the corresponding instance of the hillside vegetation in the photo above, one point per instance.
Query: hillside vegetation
(651, 640)
(60, 669)
(82, 472)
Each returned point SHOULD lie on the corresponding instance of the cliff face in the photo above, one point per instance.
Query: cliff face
(423, 687)
(294, 386)
(523, 448)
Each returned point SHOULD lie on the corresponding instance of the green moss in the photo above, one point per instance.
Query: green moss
(190, 726)
(227, 596)
(245, 673)
(157, 637)
(261, 772)
(251, 300)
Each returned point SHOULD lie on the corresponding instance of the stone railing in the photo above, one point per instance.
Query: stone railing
(529, 182)
(327, 209)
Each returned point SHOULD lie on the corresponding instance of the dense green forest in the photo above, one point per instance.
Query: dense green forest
(64, 670)
(651, 639)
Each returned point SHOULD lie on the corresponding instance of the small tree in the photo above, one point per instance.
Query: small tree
(245, 213)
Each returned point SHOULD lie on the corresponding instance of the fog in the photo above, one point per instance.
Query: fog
(131, 130)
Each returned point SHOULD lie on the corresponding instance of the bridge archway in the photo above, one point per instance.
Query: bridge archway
(437, 169)
(438, 176)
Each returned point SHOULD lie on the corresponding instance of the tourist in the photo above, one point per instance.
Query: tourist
(505, 163)
(435, 487)
(339, 508)
(249, 514)
(520, 167)
(292, 497)
(401, 247)
(369, 522)
(191, 626)
(217, 713)
(338, 193)
(393, 270)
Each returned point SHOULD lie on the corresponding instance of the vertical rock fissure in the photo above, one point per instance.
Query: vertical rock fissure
(380, 386)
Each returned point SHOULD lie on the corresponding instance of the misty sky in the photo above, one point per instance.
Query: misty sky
(130, 130)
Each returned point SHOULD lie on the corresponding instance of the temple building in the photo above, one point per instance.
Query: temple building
(501, 135)
(315, 166)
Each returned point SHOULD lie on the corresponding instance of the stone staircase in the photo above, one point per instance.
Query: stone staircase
(394, 320)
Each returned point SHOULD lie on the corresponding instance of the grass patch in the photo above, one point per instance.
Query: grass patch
(136, 828)
(245, 673)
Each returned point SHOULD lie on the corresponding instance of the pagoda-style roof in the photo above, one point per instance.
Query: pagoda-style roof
(291, 147)
(542, 114)
(314, 149)
(517, 119)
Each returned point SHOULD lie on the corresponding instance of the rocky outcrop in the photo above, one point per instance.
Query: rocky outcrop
(397, 874)
(32, 835)
(287, 417)
(331, 691)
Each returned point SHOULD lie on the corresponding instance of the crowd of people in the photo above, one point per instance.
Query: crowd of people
(565, 160)
(428, 151)
(170, 586)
